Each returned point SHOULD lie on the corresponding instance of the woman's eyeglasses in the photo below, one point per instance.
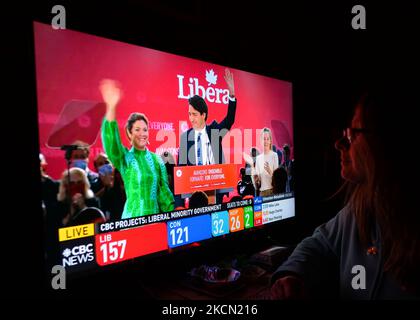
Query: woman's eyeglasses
(351, 133)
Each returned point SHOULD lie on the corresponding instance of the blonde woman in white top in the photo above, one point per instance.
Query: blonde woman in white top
(265, 164)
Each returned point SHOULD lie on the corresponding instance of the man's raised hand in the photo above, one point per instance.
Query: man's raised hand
(229, 81)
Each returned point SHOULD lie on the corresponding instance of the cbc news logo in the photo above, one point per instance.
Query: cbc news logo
(77, 255)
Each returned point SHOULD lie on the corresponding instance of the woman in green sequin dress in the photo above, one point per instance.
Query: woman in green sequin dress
(144, 173)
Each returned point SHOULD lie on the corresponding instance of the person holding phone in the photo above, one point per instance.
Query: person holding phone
(74, 195)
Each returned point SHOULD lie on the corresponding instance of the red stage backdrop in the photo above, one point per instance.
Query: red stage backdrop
(70, 66)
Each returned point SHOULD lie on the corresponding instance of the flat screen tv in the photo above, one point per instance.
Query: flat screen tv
(186, 177)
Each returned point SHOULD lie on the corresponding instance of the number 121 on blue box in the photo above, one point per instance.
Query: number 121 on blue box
(185, 231)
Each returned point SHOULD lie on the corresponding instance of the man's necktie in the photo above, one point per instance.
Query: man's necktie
(199, 153)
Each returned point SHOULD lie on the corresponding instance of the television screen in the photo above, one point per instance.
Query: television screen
(143, 152)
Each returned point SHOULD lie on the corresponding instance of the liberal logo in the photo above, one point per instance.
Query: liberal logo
(211, 77)
(211, 94)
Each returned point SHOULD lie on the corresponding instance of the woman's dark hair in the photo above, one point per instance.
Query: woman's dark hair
(386, 195)
(199, 104)
(279, 180)
(88, 215)
(286, 149)
(82, 151)
(235, 198)
(198, 199)
(135, 116)
(254, 152)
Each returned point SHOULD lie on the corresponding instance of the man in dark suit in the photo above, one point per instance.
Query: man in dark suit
(202, 144)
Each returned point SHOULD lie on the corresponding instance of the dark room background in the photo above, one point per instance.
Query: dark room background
(312, 44)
